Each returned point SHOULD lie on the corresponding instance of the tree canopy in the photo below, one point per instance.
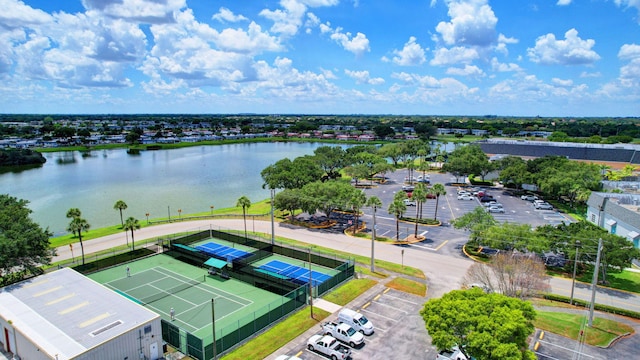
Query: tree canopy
(24, 245)
(485, 326)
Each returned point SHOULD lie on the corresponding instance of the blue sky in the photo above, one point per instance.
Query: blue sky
(430, 57)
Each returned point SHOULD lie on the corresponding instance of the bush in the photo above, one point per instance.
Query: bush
(599, 307)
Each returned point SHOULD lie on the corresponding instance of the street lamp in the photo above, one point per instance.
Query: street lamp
(147, 214)
(575, 264)
(211, 207)
(179, 213)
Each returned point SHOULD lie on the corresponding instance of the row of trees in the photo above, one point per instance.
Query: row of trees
(563, 239)
(582, 128)
(555, 176)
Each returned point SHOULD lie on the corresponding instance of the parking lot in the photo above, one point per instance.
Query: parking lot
(445, 238)
(395, 314)
(398, 325)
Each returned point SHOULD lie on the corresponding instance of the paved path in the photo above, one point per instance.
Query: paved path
(444, 272)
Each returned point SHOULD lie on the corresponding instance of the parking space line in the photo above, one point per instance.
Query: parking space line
(565, 348)
(391, 306)
(405, 300)
(388, 318)
(386, 290)
(441, 245)
(366, 305)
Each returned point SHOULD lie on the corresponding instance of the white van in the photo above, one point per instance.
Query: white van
(356, 320)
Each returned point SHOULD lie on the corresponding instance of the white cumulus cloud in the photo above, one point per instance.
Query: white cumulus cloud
(411, 54)
(472, 23)
(363, 77)
(226, 15)
(455, 55)
(570, 51)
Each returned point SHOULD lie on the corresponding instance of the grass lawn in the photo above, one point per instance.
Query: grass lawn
(602, 333)
(351, 290)
(625, 280)
(408, 286)
(271, 340)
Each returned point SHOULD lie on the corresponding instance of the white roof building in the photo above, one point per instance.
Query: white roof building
(65, 315)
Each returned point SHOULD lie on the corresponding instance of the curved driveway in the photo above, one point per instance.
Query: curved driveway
(444, 272)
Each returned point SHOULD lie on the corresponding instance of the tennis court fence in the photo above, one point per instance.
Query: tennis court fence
(293, 295)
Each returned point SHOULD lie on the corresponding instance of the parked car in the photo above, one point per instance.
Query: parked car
(492, 203)
(465, 197)
(529, 197)
(495, 209)
(357, 320)
(451, 354)
(408, 187)
(488, 198)
(424, 179)
(343, 332)
(409, 202)
(544, 206)
(329, 346)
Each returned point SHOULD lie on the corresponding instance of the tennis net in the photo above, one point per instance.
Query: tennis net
(174, 290)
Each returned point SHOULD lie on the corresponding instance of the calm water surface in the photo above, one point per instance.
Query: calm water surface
(155, 182)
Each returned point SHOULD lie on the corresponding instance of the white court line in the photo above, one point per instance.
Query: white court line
(216, 290)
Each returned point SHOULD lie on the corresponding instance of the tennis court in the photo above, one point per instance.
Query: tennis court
(161, 282)
(295, 273)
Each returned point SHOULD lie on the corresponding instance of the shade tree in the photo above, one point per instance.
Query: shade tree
(484, 326)
(24, 245)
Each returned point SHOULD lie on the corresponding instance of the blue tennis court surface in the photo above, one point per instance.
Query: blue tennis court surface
(222, 251)
(295, 273)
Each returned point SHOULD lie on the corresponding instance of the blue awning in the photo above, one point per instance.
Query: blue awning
(215, 263)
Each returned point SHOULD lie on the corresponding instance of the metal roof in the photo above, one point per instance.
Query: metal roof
(66, 313)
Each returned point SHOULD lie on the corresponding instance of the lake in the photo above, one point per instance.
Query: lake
(157, 182)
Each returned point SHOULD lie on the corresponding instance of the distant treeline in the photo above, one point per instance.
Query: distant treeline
(14, 157)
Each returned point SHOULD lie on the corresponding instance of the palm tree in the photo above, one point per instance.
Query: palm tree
(131, 224)
(356, 201)
(120, 205)
(245, 203)
(374, 203)
(397, 207)
(437, 190)
(420, 197)
(72, 214)
(78, 225)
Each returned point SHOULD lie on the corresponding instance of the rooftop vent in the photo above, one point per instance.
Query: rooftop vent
(105, 328)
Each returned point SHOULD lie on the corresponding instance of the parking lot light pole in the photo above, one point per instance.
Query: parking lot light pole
(575, 264)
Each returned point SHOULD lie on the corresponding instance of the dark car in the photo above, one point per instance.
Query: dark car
(487, 199)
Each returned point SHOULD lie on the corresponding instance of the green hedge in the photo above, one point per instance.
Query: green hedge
(599, 307)
(475, 181)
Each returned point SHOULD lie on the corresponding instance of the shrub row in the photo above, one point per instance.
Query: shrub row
(599, 307)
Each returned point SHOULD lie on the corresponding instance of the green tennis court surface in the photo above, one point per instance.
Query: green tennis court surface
(161, 282)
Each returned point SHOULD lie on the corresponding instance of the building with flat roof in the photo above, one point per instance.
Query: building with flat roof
(65, 315)
(618, 213)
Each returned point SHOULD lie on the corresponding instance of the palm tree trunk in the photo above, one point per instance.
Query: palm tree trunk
(435, 215)
(132, 242)
(356, 224)
(397, 228)
(244, 216)
(81, 245)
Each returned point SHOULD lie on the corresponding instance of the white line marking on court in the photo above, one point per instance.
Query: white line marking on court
(214, 290)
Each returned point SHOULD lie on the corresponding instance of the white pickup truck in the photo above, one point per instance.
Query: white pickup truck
(452, 354)
(329, 346)
(343, 332)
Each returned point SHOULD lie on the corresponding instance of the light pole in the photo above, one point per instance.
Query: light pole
(179, 213)
(147, 214)
(211, 209)
(575, 264)
(273, 233)
(373, 238)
